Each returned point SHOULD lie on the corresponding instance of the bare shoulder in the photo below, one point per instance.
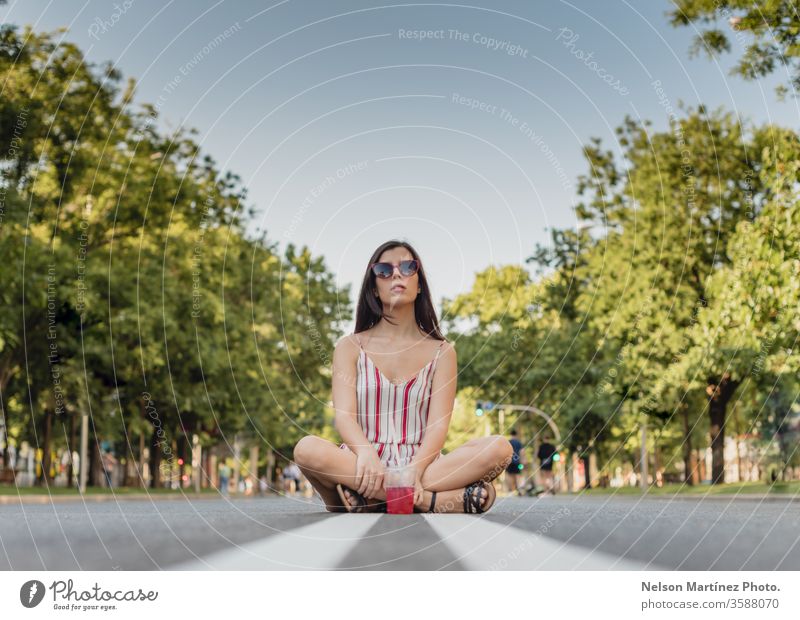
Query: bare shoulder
(345, 361)
(448, 350)
(447, 364)
(347, 347)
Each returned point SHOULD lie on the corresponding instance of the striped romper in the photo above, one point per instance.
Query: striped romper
(393, 416)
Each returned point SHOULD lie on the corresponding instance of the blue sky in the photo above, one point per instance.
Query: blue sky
(456, 127)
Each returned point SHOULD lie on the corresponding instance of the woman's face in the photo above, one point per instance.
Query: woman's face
(398, 289)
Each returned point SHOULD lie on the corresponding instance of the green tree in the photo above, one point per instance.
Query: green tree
(131, 247)
(749, 328)
(669, 217)
(769, 30)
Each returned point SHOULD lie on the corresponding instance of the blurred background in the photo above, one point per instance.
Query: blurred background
(605, 198)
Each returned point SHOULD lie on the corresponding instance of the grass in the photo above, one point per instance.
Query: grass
(10, 489)
(736, 488)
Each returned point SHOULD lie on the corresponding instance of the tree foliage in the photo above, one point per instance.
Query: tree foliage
(767, 30)
(681, 276)
(132, 291)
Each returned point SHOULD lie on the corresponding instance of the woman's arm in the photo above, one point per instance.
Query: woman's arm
(443, 394)
(369, 472)
(345, 357)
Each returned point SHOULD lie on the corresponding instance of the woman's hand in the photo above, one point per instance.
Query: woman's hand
(418, 490)
(369, 472)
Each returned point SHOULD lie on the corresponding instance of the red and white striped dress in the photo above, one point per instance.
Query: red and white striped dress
(393, 416)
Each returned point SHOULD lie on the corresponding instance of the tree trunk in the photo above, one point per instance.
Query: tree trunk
(656, 460)
(782, 447)
(701, 460)
(270, 467)
(4, 412)
(184, 452)
(738, 430)
(140, 480)
(130, 477)
(44, 479)
(71, 449)
(155, 459)
(587, 474)
(140, 472)
(695, 477)
(719, 393)
(205, 475)
(688, 465)
(568, 470)
(95, 461)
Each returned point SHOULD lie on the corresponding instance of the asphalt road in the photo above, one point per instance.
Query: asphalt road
(561, 533)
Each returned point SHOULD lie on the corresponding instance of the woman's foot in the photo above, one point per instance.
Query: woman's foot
(483, 496)
(453, 501)
(373, 505)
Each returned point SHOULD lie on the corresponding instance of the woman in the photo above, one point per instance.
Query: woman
(388, 415)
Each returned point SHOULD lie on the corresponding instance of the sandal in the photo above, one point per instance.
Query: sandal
(362, 501)
(433, 503)
(472, 502)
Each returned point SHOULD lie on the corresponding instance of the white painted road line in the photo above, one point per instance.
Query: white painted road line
(480, 544)
(319, 546)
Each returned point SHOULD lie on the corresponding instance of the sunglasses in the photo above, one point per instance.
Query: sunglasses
(386, 270)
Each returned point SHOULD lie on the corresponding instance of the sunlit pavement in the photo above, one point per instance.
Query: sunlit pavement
(518, 533)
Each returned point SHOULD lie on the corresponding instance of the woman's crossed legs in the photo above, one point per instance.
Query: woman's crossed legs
(326, 465)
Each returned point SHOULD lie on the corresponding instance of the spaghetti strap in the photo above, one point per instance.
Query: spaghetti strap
(358, 340)
(438, 350)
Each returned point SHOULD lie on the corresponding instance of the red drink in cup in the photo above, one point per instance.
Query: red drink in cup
(400, 500)
(399, 485)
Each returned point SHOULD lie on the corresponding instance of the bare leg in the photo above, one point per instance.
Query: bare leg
(510, 482)
(547, 476)
(326, 491)
(483, 458)
(326, 465)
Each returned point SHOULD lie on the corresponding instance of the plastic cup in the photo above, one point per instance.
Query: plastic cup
(399, 485)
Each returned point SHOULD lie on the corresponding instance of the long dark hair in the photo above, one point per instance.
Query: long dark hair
(370, 308)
